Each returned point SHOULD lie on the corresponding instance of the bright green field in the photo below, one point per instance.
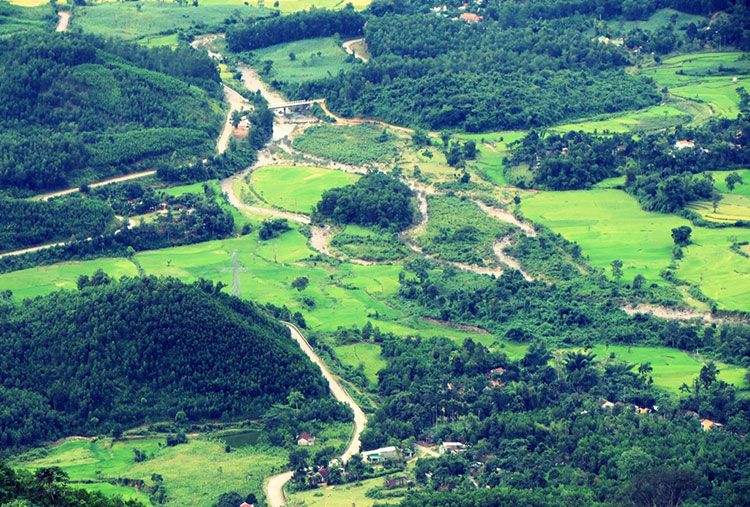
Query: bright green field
(343, 295)
(307, 65)
(292, 5)
(645, 119)
(194, 474)
(493, 147)
(609, 225)
(123, 19)
(658, 19)
(296, 188)
(740, 189)
(367, 354)
(343, 495)
(716, 91)
(672, 367)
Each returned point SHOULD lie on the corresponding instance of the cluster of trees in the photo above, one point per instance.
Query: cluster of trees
(79, 108)
(433, 72)
(536, 435)
(116, 353)
(560, 315)
(300, 25)
(48, 487)
(376, 199)
(27, 223)
(200, 219)
(660, 175)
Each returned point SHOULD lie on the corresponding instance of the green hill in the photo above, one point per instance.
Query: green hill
(116, 354)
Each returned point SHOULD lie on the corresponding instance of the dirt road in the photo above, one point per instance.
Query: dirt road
(44, 197)
(275, 485)
(236, 103)
(63, 22)
(351, 47)
(32, 249)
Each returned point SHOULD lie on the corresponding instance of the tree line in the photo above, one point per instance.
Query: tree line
(255, 34)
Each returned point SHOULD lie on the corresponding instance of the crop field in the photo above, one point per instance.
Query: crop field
(293, 5)
(730, 209)
(296, 188)
(366, 354)
(651, 118)
(493, 147)
(701, 80)
(126, 20)
(362, 144)
(194, 474)
(313, 59)
(658, 19)
(609, 225)
(457, 230)
(672, 367)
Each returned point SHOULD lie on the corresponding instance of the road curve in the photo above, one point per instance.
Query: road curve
(349, 48)
(275, 485)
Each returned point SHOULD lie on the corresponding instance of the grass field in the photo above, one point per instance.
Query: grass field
(493, 147)
(356, 145)
(124, 19)
(742, 189)
(658, 19)
(701, 80)
(296, 188)
(343, 495)
(672, 367)
(366, 354)
(651, 118)
(307, 64)
(358, 242)
(194, 474)
(457, 230)
(294, 5)
(609, 225)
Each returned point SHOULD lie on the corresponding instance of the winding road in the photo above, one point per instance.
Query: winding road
(350, 47)
(275, 485)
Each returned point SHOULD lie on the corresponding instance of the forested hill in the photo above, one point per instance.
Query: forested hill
(77, 108)
(113, 354)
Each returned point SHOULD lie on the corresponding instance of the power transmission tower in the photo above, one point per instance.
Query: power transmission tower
(235, 276)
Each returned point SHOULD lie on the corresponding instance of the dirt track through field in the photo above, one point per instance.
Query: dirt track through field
(275, 485)
(350, 47)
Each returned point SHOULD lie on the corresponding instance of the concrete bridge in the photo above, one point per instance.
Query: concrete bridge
(294, 104)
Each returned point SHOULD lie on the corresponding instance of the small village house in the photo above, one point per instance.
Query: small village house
(305, 438)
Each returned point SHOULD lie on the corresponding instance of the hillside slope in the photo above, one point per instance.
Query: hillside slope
(116, 353)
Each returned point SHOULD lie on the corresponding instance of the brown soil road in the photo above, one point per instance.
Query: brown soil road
(63, 22)
(275, 485)
(44, 197)
(350, 47)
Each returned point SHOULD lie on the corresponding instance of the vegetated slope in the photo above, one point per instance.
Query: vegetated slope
(114, 354)
(74, 107)
(46, 487)
(14, 18)
(434, 72)
(34, 222)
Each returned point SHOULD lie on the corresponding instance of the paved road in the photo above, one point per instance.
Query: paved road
(275, 485)
(348, 47)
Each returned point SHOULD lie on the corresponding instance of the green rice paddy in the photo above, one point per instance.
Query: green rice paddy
(296, 188)
(609, 225)
(366, 354)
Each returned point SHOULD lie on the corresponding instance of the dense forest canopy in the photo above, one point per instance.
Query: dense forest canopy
(75, 107)
(376, 199)
(536, 432)
(115, 353)
(255, 34)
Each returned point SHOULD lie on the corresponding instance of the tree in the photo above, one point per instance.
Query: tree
(230, 499)
(298, 460)
(732, 179)
(300, 283)
(681, 235)
(236, 118)
(52, 479)
(708, 374)
(617, 269)
(715, 198)
(292, 56)
(638, 281)
(420, 138)
(294, 398)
